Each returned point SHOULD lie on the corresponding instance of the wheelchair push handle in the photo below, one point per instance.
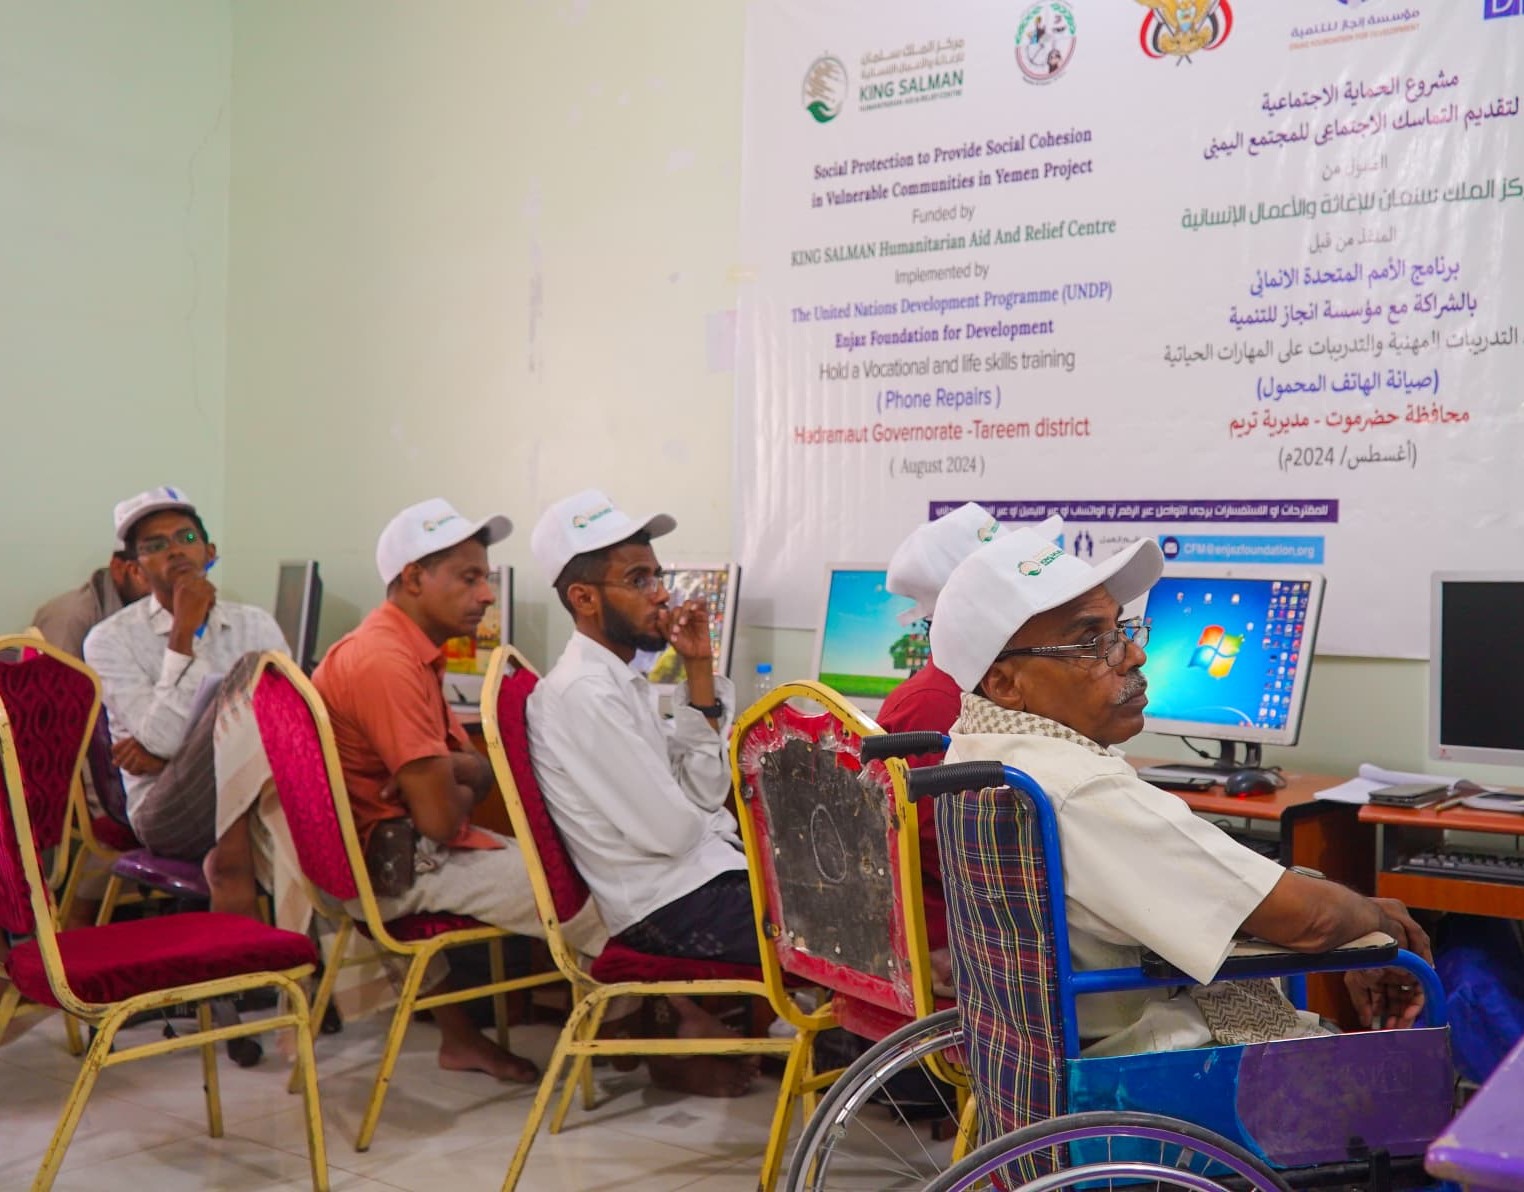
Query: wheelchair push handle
(959, 776)
(902, 745)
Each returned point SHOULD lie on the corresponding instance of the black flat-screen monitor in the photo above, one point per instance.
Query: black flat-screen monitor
(298, 602)
(1229, 653)
(1476, 713)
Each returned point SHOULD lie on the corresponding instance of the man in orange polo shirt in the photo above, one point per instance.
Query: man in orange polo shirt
(405, 754)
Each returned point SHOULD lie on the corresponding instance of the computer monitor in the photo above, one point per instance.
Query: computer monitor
(466, 657)
(1229, 652)
(298, 601)
(861, 649)
(1475, 660)
(718, 584)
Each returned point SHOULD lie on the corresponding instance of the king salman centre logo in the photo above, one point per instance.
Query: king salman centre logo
(825, 88)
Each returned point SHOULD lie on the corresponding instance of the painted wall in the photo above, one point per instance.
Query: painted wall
(114, 134)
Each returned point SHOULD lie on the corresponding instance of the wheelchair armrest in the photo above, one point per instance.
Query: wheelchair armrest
(902, 745)
(1256, 958)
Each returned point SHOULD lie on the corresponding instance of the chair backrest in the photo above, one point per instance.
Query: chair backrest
(836, 857)
(298, 741)
(559, 889)
(104, 774)
(49, 701)
(997, 879)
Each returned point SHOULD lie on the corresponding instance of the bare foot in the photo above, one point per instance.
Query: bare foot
(621, 1028)
(703, 1075)
(477, 1053)
(697, 1023)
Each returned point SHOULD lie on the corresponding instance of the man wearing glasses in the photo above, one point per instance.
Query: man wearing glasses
(159, 662)
(641, 801)
(1052, 680)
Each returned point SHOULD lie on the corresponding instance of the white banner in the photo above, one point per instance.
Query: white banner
(1244, 276)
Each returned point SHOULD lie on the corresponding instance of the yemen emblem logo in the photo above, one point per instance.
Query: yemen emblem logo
(1179, 28)
(825, 88)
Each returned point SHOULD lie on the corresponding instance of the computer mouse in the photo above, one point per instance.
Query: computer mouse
(1253, 782)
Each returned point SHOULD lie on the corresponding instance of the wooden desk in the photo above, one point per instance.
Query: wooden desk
(1314, 833)
(1403, 831)
(1484, 1147)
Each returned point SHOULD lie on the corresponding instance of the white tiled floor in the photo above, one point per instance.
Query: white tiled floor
(145, 1125)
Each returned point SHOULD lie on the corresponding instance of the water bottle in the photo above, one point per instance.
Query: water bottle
(763, 682)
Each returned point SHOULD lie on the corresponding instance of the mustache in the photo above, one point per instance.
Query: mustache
(1133, 685)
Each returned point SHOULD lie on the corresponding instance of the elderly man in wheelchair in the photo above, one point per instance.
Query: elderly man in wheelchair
(1094, 919)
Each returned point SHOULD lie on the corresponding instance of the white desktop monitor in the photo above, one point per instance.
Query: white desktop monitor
(718, 584)
(862, 650)
(1229, 653)
(1476, 713)
(298, 603)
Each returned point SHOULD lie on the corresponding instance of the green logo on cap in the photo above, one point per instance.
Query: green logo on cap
(581, 521)
(1031, 568)
(987, 533)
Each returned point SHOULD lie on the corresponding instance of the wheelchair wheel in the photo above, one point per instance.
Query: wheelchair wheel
(1114, 1149)
(862, 1135)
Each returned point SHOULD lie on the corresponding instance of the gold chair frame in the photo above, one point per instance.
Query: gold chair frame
(108, 1018)
(418, 953)
(578, 1041)
(803, 1085)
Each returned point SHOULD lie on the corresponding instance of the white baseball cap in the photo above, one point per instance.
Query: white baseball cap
(922, 563)
(427, 527)
(995, 591)
(586, 521)
(134, 509)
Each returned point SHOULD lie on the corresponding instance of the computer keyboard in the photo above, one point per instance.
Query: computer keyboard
(1484, 867)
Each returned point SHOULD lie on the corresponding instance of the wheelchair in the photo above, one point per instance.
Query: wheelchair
(1341, 1109)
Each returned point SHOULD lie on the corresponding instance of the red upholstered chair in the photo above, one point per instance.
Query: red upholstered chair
(105, 975)
(298, 740)
(559, 894)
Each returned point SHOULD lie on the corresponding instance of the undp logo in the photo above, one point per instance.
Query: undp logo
(1501, 8)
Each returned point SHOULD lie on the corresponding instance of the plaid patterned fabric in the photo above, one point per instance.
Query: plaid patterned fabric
(1000, 930)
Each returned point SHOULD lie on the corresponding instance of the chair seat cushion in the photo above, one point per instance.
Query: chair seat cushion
(162, 873)
(120, 960)
(114, 835)
(618, 962)
(425, 926)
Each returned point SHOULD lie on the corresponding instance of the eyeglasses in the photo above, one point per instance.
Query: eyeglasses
(1109, 647)
(160, 543)
(646, 585)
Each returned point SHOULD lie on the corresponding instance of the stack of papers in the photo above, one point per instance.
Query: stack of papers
(1358, 790)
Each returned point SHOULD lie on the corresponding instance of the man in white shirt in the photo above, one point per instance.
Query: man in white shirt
(154, 657)
(641, 801)
(1052, 679)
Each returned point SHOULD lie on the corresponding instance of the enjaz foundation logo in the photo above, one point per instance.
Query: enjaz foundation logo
(1045, 39)
(825, 88)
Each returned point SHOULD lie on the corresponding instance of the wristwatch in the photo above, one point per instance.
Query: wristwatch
(714, 711)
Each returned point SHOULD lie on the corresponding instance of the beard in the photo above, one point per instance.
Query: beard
(620, 630)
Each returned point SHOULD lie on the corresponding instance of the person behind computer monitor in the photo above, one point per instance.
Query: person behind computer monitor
(1052, 679)
(929, 700)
